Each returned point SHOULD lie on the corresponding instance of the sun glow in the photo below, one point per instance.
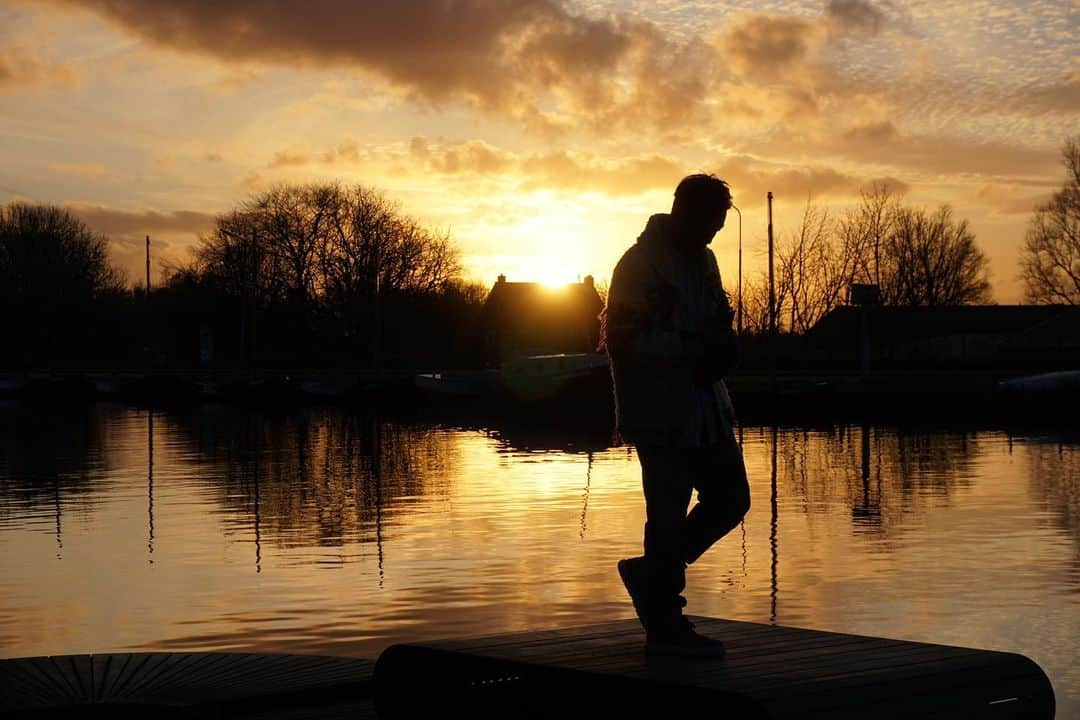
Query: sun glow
(552, 236)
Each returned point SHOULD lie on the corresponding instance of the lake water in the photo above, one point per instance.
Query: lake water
(325, 531)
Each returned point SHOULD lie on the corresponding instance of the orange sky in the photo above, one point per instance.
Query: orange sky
(541, 133)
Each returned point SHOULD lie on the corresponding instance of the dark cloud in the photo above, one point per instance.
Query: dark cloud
(885, 144)
(855, 15)
(144, 222)
(751, 179)
(500, 55)
(1062, 96)
(884, 131)
(288, 158)
(758, 43)
(344, 153)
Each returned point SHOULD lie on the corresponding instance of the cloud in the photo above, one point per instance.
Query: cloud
(751, 179)
(93, 171)
(557, 170)
(110, 221)
(562, 170)
(1006, 199)
(288, 158)
(760, 43)
(1062, 96)
(344, 153)
(583, 171)
(508, 56)
(884, 143)
(20, 68)
(173, 233)
(470, 156)
(855, 15)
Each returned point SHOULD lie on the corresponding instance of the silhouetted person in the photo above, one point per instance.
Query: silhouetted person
(667, 329)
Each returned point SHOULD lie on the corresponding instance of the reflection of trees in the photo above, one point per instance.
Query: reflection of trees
(48, 451)
(315, 477)
(885, 476)
(51, 457)
(1054, 474)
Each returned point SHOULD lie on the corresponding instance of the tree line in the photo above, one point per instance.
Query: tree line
(330, 274)
(915, 256)
(301, 274)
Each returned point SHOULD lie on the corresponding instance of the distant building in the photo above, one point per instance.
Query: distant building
(975, 336)
(528, 318)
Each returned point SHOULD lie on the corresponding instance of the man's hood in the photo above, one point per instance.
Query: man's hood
(657, 232)
(658, 246)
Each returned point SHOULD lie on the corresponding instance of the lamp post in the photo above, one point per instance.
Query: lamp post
(738, 306)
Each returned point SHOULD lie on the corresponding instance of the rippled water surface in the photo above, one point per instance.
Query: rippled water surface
(325, 531)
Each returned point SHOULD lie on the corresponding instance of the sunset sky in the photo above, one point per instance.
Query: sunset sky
(541, 134)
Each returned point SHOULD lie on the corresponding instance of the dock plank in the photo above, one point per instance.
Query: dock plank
(769, 672)
(219, 685)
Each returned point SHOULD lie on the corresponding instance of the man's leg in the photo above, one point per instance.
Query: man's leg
(668, 488)
(723, 496)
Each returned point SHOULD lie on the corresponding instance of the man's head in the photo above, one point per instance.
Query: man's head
(700, 208)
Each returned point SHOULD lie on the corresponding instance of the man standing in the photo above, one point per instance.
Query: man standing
(667, 330)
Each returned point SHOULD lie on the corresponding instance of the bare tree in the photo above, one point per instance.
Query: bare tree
(46, 253)
(816, 268)
(755, 304)
(370, 246)
(1050, 260)
(55, 282)
(931, 259)
(863, 230)
(325, 242)
(914, 256)
(816, 264)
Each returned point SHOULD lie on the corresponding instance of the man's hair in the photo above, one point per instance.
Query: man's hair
(695, 193)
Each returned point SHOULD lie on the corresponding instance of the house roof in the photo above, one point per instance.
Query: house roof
(518, 299)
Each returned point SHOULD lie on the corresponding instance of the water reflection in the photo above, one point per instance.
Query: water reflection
(314, 478)
(328, 531)
(150, 482)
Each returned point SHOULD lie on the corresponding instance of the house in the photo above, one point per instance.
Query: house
(529, 318)
(1036, 337)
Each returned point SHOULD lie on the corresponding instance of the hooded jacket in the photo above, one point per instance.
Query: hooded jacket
(666, 316)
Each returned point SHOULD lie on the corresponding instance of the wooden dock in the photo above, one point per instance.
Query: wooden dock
(769, 672)
(598, 671)
(186, 685)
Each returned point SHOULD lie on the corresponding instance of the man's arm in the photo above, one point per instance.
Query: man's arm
(637, 321)
(722, 347)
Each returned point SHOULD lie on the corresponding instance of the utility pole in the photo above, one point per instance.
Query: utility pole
(147, 267)
(772, 281)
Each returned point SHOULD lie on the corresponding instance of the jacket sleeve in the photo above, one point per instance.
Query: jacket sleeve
(638, 321)
(722, 346)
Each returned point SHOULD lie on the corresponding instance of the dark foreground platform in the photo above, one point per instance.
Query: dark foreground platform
(769, 672)
(186, 685)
